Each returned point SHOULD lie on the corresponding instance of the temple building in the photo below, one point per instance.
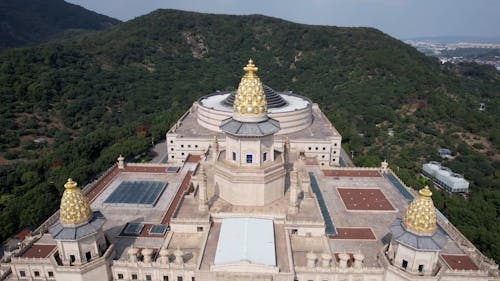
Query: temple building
(252, 190)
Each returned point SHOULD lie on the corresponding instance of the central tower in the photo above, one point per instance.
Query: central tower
(249, 171)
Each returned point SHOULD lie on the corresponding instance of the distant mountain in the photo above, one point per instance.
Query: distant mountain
(456, 39)
(27, 22)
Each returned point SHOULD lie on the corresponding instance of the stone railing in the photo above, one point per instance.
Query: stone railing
(147, 164)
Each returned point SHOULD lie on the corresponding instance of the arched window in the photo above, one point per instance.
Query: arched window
(234, 156)
(264, 157)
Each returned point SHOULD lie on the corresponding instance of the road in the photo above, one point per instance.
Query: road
(345, 160)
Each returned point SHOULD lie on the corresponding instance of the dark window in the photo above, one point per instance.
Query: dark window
(179, 278)
(22, 273)
(36, 273)
(88, 256)
(120, 276)
(172, 149)
(171, 141)
(195, 146)
(51, 274)
(335, 152)
(316, 148)
(333, 159)
(165, 278)
(420, 268)
(294, 231)
(193, 279)
(72, 258)
(322, 156)
(335, 144)
(322, 164)
(234, 156)
(309, 148)
(172, 157)
(324, 148)
(249, 158)
(134, 276)
(182, 153)
(404, 264)
(265, 156)
(189, 145)
(148, 277)
(199, 228)
(182, 145)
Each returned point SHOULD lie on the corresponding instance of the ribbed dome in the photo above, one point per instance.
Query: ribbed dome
(420, 217)
(75, 208)
(274, 100)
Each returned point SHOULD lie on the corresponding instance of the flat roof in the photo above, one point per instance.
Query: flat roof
(246, 239)
(462, 262)
(363, 199)
(38, 251)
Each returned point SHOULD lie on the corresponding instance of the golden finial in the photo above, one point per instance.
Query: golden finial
(75, 208)
(250, 98)
(420, 217)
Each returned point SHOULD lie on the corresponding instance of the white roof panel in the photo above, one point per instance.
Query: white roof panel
(246, 239)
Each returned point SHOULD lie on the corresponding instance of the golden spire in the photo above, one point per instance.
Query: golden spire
(420, 217)
(250, 98)
(75, 208)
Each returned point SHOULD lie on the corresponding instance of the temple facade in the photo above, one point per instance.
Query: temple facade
(252, 190)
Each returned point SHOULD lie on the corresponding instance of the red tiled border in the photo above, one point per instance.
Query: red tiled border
(175, 202)
(364, 199)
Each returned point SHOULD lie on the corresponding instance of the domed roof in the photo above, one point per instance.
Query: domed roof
(250, 99)
(274, 100)
(420, 217)
(75, 208)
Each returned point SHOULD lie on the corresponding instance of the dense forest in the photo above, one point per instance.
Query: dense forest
(69, 108)
(27, 22)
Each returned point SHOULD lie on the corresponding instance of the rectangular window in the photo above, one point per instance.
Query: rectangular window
(404, 264)
(199, 228)
(51, 274)
(22, 273)
(234, 156)
(179, 278)
(88, 256)
(420, 268)
(249, 158)
(264, 156)
(148, 277)
(165, 278)
(120, 276)
(36, 273)
(72, 258)
(134, 276)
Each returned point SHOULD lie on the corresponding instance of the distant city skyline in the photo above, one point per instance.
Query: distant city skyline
(399, 18)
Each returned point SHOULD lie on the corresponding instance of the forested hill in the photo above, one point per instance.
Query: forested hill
(70, 108)
(28, 22)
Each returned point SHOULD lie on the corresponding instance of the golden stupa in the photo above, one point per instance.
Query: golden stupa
(250, 98)
(75, 208)
(420, 217)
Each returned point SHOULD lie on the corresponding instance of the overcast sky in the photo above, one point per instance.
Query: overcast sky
(399, 18)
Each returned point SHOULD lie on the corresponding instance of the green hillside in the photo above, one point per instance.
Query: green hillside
(87, 100)
(28, 22)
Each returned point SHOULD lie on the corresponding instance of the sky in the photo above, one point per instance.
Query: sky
(399, 18)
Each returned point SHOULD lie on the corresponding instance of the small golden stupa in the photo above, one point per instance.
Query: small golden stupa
(75, 208)
(250, 98)
(420, 217)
